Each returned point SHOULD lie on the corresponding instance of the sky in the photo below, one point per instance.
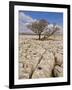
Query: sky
(51, 17)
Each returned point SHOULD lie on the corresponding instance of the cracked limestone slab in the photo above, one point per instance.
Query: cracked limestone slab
(45, 67)
(30, 60)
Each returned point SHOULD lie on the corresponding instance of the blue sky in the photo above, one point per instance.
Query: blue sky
(51, 17)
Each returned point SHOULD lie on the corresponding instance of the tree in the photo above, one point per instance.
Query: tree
(38, 27)
(50, 32)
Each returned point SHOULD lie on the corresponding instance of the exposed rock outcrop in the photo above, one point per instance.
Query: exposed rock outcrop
(40, 59)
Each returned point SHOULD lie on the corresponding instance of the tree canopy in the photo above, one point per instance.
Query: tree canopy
(38, 27)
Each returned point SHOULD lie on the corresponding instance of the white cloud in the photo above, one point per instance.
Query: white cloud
(24, 20)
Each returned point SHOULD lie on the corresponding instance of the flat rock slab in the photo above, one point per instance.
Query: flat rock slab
(29, 59)
(45, 67)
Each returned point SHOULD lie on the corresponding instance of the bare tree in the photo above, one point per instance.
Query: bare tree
(49, 32)
(38, 27)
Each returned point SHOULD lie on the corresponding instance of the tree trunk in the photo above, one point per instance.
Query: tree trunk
(39, 36)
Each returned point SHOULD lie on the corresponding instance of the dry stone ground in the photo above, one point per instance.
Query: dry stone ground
(40, 59)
